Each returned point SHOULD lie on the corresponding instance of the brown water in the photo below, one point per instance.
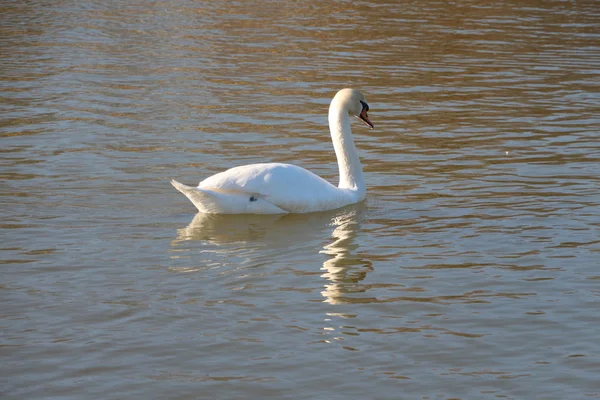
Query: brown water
(472, 270)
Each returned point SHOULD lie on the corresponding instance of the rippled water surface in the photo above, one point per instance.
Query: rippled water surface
(472, 270)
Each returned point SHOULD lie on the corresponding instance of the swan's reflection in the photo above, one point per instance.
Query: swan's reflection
(222, 229)
(344, 268)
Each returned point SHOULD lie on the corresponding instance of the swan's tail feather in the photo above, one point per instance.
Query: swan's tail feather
(218, 202)
(205, 201)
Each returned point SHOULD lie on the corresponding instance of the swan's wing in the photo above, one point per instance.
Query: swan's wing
(286, 186)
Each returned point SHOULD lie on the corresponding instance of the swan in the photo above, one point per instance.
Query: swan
(275, 188)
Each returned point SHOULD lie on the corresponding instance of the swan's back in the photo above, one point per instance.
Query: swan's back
(289, 187)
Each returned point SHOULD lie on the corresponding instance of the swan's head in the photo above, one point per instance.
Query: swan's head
(355, 103)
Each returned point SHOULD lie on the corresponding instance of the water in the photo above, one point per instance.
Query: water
(471, 271)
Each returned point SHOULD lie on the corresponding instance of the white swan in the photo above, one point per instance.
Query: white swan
(276, 188)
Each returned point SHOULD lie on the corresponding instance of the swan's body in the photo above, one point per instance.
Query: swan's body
(267, 189)
(276, 188)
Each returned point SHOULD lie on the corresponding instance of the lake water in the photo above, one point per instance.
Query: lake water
(471, 271)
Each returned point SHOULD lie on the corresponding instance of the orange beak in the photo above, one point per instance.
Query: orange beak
(365, 117)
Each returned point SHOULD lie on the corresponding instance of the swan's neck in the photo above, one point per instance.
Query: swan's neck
(351, 173)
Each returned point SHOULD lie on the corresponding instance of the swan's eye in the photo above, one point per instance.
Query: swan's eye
(364, 105)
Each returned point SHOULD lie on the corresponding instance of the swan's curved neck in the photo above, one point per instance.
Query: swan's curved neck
(351, 173)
